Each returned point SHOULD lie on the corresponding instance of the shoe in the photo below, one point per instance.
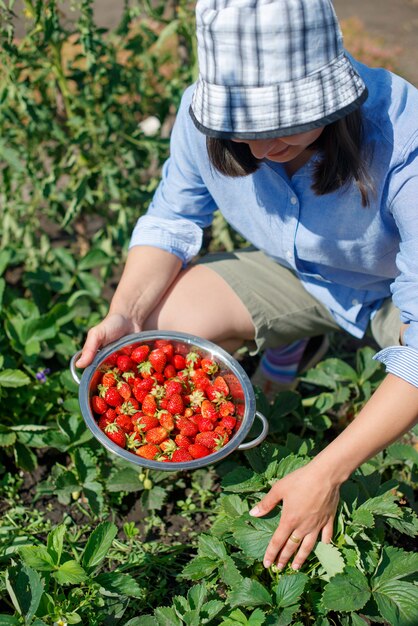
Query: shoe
(314, 351)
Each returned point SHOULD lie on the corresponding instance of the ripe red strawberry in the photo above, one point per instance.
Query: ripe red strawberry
(141, 389)
(116, 434)
(200, 379)
(209, 410)
(163, 403)
(166, 420)
(223, 432)
(113, 397)
(125, 363)
(106, 419)
(188, 412)
(159, 377)
(145, 369)
(149, 405)
(133, 441)
(179, 362)
(99, 405)
(205, 424)
(130, 407)
(181, 456)
(220, 385)
(182, 441)
(144, 423)
(196, 398)
(174, 385)
(158, 359)
(198, 451)
(235, 388)
(125, 422)
(226, 408)
(186, 427)
(111, 360)
(148, 451)
(175, 404)
(109, 379)
(169, 371)
(214, 395)
(211, 440)
(166, 347)
(140, 353)
(228, 423)
(209, 366)
(156, 435)
(193, 359)
(124, 390)
(168, 446)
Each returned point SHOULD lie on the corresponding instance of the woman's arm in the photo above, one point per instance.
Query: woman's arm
(147, 275)
(310, 494)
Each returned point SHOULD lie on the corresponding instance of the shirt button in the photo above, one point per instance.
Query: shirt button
(355, 302)
(293, 200)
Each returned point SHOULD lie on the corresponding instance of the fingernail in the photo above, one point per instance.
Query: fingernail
(296, 566)
(267, 563)
(256, 511)
(280, 566)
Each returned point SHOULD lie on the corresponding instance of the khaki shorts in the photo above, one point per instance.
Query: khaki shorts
(281, 308)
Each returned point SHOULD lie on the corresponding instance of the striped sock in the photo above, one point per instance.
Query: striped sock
(281, 364)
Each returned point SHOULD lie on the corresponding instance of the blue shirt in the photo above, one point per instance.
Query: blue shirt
(347, 256)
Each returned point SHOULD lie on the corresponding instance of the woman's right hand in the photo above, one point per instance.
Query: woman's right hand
(113, 327)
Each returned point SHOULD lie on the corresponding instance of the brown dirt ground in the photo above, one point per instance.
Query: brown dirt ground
(395, 22)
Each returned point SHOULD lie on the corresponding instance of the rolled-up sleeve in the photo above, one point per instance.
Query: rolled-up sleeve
(403, 360)
(182, 206)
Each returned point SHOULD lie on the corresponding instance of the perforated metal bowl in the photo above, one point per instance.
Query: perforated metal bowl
(183, 343)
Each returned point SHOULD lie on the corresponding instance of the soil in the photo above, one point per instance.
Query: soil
(394, 21)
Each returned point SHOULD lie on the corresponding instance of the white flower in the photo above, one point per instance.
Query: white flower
(60, 622)
(150, 126)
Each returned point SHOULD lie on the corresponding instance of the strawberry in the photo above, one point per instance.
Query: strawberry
(166, 347)
(226, 408)
(156, 435)
(200, 379)
(188, 412)
(179, 362)
(175, 404)
(113, 397)
(124, 390)
(106, 419)
(158, 391)
(182, 441)
(144, 423)
(125, 422)
(145, 369)
(220, 385)
(166, 420)
(168, 446)
(214, 395)
(116, 434)
(133, 441)
(209, 366)
(186, 427)
(174, 385)
(193, 360)
(158, 359)
(212, 440)
(141, 388)
(169, 371)
(99, 405)
(209, 410)
(109, 379)
(181, 456)
(130, 407)
(159, 377)
(228, 423)
(163, 403)
(205, 424)
(140, 353)
(125, 363)
(149, 405)
(196, 398)
(235, 388)
(111, 360)
(148, 451)
(198, 450)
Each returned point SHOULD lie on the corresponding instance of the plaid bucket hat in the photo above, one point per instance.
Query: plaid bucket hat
(270, 68)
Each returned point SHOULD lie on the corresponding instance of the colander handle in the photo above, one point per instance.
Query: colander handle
(251, 444)
(73, 368)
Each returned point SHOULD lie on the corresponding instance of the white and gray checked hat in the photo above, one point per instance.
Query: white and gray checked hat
(270, 68)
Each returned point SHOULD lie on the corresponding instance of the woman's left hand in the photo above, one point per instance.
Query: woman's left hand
(309, 500)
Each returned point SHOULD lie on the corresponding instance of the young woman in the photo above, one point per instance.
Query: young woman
(312, 157)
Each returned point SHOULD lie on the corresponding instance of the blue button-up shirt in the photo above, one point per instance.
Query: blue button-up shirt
(347, 256)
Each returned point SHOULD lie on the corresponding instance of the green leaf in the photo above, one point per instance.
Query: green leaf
(229, 572)
(13, 378)
(403, 452)
(70, 573)
(330, 558)
(346, 592)
(94, 258)
(211, 547)
(126, 479)
(398, 602)
(25, 459)
(363, 517)
(166, 617)
(122, 584)
(394, 564)
(9, 620)
(237, 618)
(249, 593)
(253, 537)
(7, 436)
(98, 545)
(25, 588)
(86, 465)
(153, 498)
(37, 557)
(242, 480)
(289, 589)
(199, 567)
(55, 542)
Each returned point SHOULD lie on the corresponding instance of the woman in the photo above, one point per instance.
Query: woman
(312, 157)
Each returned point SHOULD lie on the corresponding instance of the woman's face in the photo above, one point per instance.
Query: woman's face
(282, 149)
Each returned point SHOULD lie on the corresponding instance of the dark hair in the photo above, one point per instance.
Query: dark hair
(343, 159)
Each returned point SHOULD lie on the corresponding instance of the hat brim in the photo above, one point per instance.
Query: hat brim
(317, 100)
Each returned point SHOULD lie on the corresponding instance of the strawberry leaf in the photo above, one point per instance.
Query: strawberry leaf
(346, 592)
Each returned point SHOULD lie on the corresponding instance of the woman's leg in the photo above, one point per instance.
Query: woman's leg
(202, 303)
